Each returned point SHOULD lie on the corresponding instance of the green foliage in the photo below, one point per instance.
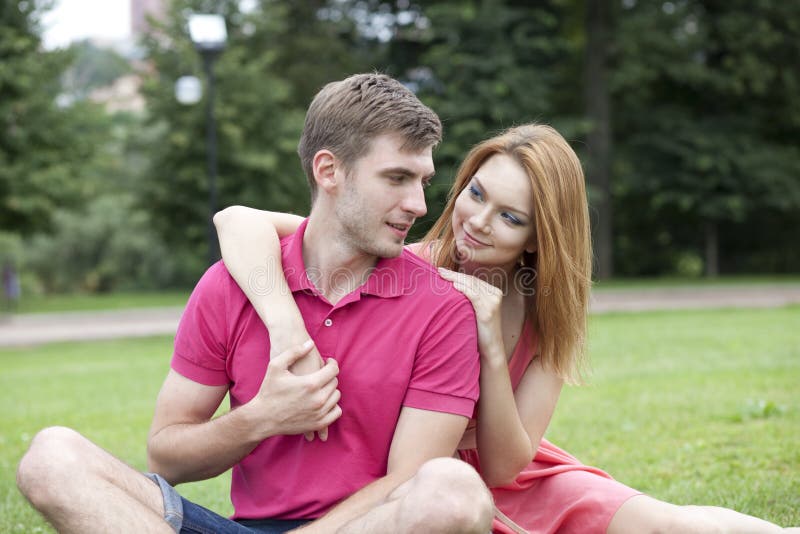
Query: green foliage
(705, 119)
(705, 115)
(485, 66)
(43, 147)
(92, 67)
(277, 56)
(109, 246)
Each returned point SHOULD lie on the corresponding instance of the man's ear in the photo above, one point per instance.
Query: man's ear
(324, 166)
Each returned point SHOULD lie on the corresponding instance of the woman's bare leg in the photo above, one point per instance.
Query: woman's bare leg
(643, 514)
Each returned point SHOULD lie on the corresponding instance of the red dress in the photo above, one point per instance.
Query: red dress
(555, 492)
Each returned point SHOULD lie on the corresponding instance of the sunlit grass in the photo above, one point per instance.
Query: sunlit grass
(103, 301)
(690, 407)
(696, 407)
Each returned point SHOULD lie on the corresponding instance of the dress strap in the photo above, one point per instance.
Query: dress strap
(504, 519)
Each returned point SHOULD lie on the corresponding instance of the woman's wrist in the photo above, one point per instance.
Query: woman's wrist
(493, 354)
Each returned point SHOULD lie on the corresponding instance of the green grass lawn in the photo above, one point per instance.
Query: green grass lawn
(691, 407)
(109, 301)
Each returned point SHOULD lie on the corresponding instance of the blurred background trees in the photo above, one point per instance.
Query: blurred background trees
(686, 114)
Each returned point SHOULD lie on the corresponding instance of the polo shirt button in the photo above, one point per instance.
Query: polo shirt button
(328, 322)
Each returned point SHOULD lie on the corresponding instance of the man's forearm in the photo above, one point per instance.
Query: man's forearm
(186, 452)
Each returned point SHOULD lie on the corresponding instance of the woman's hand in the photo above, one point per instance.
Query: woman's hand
(486, 300)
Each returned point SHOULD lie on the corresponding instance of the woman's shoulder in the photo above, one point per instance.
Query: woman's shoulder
(421, 249)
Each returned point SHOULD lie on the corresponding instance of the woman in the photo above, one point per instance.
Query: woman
(514, 238)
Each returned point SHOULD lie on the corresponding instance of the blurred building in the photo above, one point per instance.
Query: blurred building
(141, 10)
(122, 95)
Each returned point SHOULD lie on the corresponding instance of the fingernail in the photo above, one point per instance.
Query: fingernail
(308, 344)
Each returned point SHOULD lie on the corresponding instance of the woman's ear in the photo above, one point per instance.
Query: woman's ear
(324, 166)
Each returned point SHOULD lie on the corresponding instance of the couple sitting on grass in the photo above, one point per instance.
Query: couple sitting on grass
(377, 425)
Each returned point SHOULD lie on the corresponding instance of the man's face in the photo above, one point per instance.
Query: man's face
(382, 195)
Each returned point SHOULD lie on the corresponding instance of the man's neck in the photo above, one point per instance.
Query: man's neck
(332, 264)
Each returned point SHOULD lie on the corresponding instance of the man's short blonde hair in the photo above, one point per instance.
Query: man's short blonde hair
(346, 115)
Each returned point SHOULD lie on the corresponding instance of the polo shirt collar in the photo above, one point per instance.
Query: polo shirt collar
(386, 279)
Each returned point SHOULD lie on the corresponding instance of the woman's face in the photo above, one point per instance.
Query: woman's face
(493, 215)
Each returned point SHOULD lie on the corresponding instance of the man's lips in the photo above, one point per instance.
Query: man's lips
(400, 228)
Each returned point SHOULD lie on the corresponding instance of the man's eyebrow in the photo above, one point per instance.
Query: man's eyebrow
(405, 172)
(504, 206)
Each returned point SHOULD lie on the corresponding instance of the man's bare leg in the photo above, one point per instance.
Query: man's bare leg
(445, 496)
(79, 487)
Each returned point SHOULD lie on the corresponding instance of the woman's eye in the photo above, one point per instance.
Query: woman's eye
(511, 218)
(475, 192)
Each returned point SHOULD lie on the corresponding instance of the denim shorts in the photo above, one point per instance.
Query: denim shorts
(189, 518)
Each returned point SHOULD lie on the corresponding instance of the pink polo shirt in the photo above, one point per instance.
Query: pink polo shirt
(404, 338)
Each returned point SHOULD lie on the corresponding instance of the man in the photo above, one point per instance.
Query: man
(406, 365)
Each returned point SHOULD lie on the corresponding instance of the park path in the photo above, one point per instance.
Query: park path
(36, 329)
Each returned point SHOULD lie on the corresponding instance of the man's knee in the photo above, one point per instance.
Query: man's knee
(51, 459)
(456, 498)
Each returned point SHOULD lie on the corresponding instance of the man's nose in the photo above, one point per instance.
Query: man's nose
(414, 200)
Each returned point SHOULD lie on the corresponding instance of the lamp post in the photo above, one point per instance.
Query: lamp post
(209, 35)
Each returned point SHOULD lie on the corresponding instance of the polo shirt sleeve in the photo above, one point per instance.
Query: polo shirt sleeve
(200, 343)
(447, 364)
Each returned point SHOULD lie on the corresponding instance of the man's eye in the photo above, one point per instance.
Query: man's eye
(426, 184)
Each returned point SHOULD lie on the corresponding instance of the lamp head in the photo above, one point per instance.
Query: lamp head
(208, 32)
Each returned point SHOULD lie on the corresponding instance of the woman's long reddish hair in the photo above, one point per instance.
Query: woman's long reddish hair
(562, 263)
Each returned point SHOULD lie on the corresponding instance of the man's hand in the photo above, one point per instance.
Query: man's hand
(284, 337)
(288, 404)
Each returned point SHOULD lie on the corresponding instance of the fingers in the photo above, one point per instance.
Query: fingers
(328, 397)
(461, 282)
(331, 416)
(469, 285)
(325, 382)
(329, 409)
(458, 279)
(320, 378)
(285, 359)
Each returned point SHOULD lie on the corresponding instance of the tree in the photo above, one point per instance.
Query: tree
(598, 138)
(707, 120)
(92, 67)
(266, 77)
(42, 146)
(487, 65)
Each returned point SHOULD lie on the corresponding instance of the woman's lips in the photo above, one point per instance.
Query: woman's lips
(473, 241)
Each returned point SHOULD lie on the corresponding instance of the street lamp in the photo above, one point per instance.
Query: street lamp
(209, 35)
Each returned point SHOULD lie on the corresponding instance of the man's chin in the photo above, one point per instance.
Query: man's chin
(390, 251)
